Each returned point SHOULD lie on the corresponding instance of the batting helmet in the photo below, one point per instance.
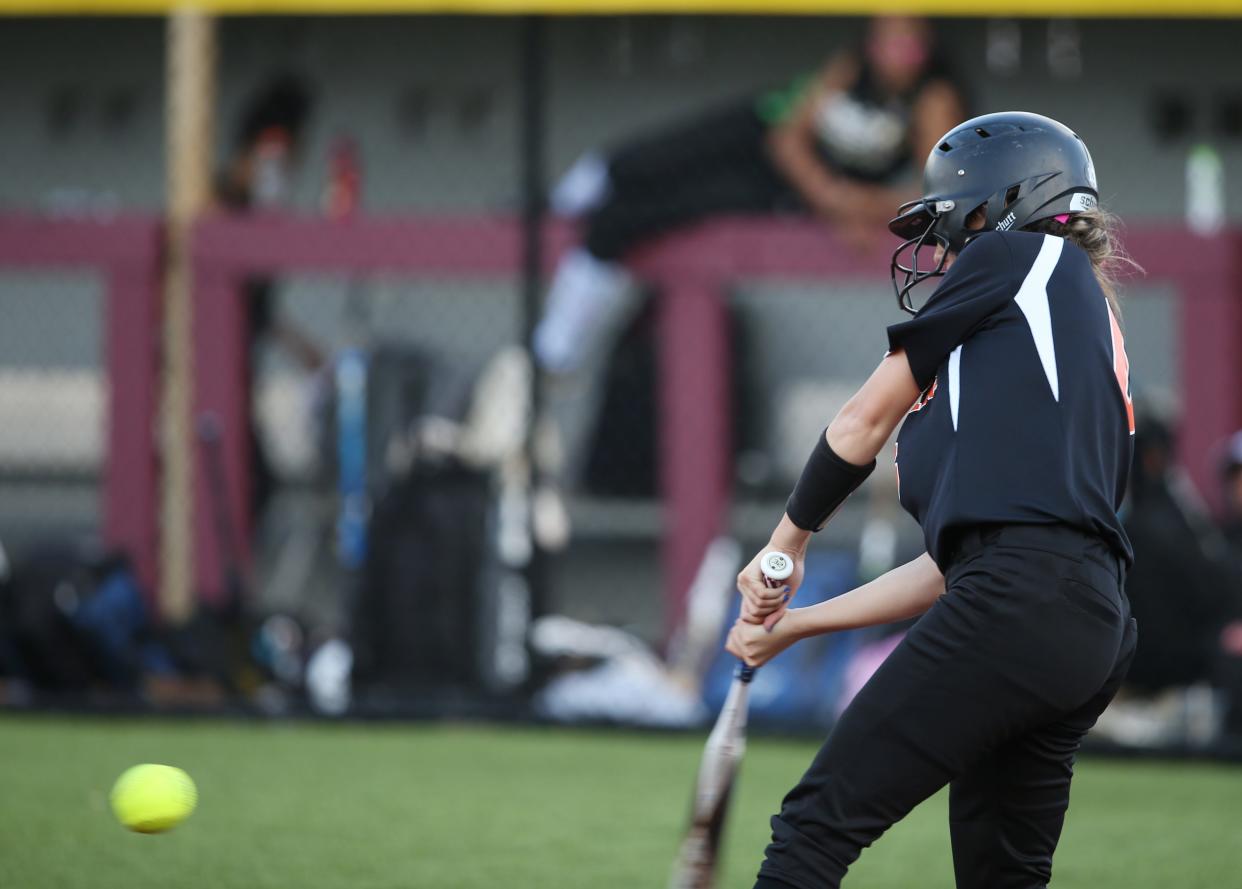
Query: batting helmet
(1023, 166)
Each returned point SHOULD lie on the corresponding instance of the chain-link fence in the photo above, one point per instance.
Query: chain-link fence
(54, 405)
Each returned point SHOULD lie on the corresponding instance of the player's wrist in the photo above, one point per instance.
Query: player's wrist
(789, 539)
(797, 624)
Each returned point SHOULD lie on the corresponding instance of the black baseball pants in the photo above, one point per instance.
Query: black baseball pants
(990, 692)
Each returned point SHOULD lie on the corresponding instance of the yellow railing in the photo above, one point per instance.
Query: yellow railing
(1033, 8)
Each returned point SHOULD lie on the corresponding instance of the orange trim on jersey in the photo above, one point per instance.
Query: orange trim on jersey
(925, 397)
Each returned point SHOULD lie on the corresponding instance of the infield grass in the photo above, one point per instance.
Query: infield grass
(286, 806)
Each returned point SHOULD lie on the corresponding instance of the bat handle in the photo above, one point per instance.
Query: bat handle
(776, 567)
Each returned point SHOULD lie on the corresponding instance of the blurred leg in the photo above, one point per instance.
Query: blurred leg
(710, 166)
(724, 137)
(632, 216)
(714, 164)
(592, 294)
(589, 301)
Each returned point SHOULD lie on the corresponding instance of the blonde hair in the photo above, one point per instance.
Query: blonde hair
(1097, 233)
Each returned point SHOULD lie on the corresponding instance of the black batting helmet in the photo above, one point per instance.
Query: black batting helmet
(1023, 166)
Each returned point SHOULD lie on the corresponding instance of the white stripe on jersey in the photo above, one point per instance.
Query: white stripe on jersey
(1032, 299)
(955, 382)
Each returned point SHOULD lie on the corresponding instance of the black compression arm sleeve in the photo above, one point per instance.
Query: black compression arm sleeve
(826, 482)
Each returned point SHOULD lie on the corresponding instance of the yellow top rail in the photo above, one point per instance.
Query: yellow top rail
(1005, 8)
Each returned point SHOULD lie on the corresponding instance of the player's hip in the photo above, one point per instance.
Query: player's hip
(1044, 608)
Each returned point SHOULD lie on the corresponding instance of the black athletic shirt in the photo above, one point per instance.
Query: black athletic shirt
(1025, 415)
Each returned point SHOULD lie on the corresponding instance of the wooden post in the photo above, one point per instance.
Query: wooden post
(190, 88)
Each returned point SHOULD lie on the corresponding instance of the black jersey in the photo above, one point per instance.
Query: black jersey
(1025, 415)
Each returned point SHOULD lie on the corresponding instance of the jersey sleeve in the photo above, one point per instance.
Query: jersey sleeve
(978, 284)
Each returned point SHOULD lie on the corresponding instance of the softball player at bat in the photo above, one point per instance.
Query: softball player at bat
(1013, 456)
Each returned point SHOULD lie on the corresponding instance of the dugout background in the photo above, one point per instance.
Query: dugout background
(436, 107)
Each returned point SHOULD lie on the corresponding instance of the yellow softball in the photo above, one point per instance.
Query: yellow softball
(152, 798)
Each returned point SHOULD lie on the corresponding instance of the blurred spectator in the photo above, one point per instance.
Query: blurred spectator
(1183, 592)
(843, 144)
(266, 147)
(1181, 589)
(256, 177)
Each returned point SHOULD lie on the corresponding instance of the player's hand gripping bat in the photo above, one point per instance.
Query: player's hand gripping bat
(695, 867)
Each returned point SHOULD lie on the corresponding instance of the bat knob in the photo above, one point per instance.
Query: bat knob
(776, 567)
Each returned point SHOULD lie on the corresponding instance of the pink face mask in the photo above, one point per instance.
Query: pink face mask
(899, 51)
(1062, 218)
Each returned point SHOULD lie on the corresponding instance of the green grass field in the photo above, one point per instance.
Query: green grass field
(451, 807)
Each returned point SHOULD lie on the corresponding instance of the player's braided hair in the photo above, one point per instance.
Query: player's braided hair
(1097, 233)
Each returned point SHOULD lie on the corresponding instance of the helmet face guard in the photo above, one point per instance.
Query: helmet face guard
(918, 221)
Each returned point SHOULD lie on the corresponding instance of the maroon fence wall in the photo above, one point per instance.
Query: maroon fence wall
(690, 271)
(126, 253)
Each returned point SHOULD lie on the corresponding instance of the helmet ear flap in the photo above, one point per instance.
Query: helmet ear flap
(1017, 203)
(1003, 207)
